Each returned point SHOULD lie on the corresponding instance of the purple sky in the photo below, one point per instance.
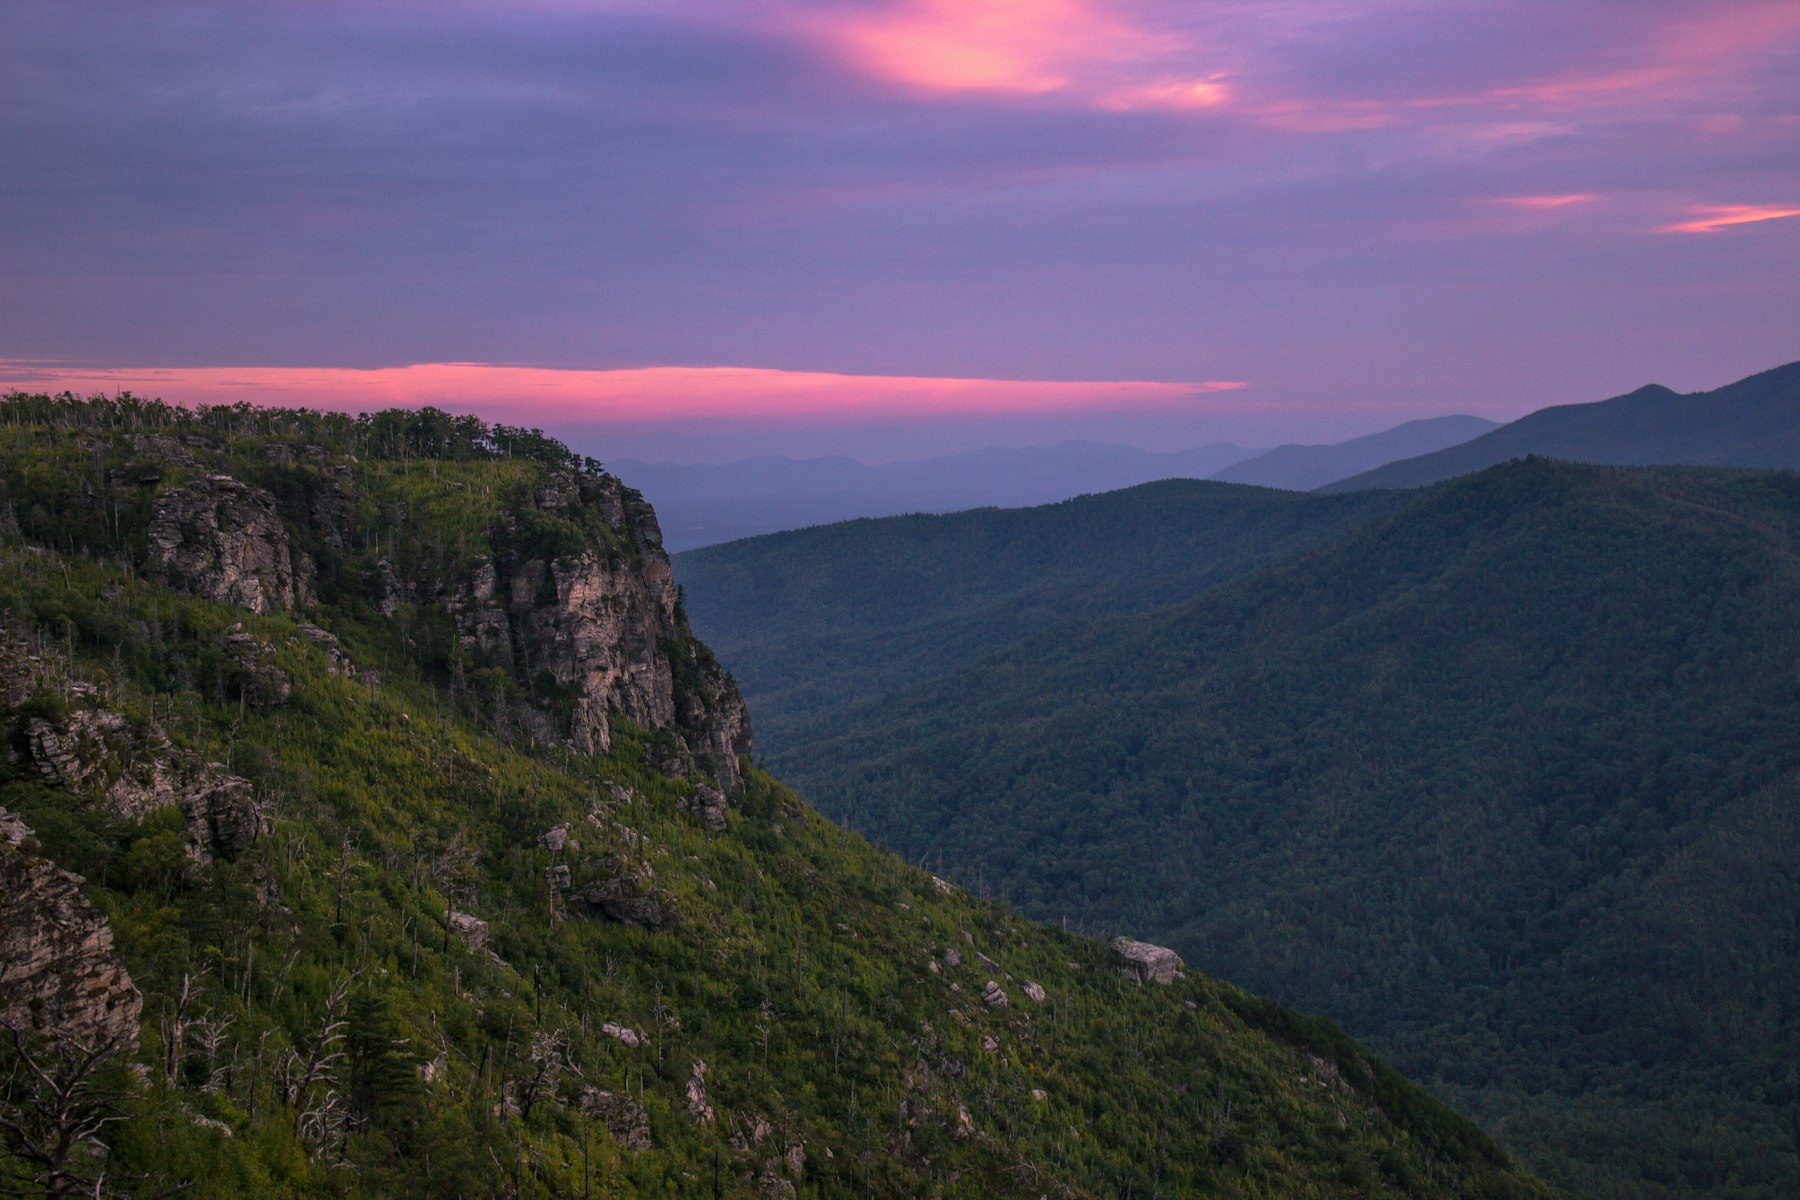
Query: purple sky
(1360, 210)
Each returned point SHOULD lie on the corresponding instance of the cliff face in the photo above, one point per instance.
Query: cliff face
(223, 540)
(587, 629)
(58, 972)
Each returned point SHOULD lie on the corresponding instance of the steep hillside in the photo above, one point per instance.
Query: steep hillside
(373, 826)
(1505, 782)
(1754, 422)
(818, 619)
(1303, 468)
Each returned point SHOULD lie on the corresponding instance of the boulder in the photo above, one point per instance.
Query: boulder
(472, 930)
(1142, 962)
(697, 1106)
(623, 1034)
(627, 899)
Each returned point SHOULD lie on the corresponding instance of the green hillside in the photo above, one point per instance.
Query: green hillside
(309, 704)
(1505, 782)
(815, 620)
(1754, 422)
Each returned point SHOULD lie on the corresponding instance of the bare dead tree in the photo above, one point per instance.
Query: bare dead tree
(302, 1074)
(56, 1099)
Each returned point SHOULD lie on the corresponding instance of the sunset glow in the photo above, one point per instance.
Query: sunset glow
(539, 395)
(1546, 202)
(1012, 46)
(908, 206)
(1716, 217)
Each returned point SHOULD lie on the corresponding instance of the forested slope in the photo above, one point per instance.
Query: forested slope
(817, 619)
(373, 826)
(1504, 781)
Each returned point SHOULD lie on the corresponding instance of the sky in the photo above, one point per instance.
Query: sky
(692, 230)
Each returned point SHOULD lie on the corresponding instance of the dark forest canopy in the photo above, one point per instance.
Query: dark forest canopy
(392, 434)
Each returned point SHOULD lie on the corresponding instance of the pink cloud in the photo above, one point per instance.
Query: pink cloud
(1712, 218)
(1019, 48)
(662, 394)
(1546, 202)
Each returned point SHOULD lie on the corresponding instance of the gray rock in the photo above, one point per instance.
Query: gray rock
(708, 805)
(993, 995)
(58, 972)
(472, 930)
(222, 540)
(1033, 992)
(1142, 962)
(621, 1115)
(606, 624)
(697, 1105)
(628, 899)
(623, 1034)
(98, 757)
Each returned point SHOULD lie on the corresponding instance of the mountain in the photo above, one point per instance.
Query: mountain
(373, 825)
(1503, 780)
(816, 621)
(1303, 468)
(702, 504)
(1754, 422)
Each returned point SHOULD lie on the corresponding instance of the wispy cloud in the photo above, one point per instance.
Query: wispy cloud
(1713, 218)
(1546, 202)
(663, 394)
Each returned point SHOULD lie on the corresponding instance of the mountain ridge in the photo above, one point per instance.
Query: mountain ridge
(1753, 422)
(382, 750)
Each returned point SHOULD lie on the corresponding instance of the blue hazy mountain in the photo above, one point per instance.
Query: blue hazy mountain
(1754, 422)
(1303, 468)
(704, 503)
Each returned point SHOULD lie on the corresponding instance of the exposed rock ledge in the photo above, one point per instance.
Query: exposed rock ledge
(58, 972)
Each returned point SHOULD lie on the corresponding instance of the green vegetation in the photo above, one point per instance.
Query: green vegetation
(817, 620)
(1504, 781)
(312, 1026)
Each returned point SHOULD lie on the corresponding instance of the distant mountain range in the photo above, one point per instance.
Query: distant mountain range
(702, 504)
(1303, 468)
(1754, 422)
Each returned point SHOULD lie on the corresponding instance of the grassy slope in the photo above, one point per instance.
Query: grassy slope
(1502, 782)
(799, 969)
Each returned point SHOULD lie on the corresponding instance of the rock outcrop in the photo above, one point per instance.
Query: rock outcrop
(604, 626)
(58, 973)
(626, 901)
(472, 930)
(221, 539)
(99, 757)
(623, 1117)
(1142, 962)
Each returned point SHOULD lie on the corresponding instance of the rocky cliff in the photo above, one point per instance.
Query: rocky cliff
(564, 588)
(58, 973)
